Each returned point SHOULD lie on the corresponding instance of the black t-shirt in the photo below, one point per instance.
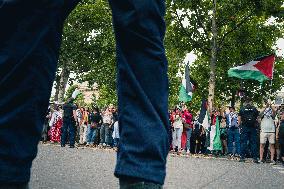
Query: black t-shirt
(248, 115)
(68, 110)
(95, 118)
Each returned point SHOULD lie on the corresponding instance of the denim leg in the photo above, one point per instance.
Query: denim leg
(188, 135)
(30, 38)
(102, 134)
(253, 142)
(93, 136)
(174, 136)
(142, 89)
(244, 138)
(89, 133)
(179, 134)
(107, 140)
(237, 141)
(72, 133)
(230, 141)
(64, 130)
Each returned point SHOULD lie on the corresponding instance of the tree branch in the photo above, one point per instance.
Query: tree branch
(197, 45)
(243, 21)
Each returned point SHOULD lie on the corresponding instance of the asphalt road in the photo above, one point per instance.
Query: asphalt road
(89, 168)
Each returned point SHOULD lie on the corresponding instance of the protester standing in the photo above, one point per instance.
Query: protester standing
(107, 117)
(79, 120)
(95, 120)
(83, 126)
(223, 136)
(55, 124)
(69, 123)
(177, 129)
(188, 126)
(115, 134)
(267, 132)
(248, 124)
(46, 127)
(233, 132)
(280, 135)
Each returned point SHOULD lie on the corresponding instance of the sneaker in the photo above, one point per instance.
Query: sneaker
(255, 161)
(71, 146)
(187, 152)
(261, 161)
(62, 145)
(273, 162)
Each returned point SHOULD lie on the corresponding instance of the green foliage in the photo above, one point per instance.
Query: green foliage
(88, 48)
(243, 35)
(79, 99)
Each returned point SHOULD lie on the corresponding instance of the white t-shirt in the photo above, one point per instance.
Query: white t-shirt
(177, 122)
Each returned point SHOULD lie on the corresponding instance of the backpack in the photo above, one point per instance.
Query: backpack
(249, 116)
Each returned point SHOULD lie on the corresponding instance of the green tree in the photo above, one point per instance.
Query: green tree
(242, 33)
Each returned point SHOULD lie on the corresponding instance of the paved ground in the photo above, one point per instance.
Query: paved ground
(86, 168)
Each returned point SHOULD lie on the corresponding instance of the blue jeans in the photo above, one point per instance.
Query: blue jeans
(188, 135)
(233, 136)
(30, 38)
(142, 89)
(104, 133)
(115, 142)
(248, 134)
(91, 134)
(68, 129)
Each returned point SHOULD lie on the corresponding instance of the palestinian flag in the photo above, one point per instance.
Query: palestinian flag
(260, 69)
(203, 118)
(187, 87)
(217, 143)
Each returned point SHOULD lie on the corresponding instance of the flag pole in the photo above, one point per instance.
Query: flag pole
(271, 80)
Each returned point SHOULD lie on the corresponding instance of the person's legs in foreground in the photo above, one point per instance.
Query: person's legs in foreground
(29, 44)
(142, 93)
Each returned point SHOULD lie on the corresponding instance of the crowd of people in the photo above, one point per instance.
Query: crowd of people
(73, 124)
(241, 133)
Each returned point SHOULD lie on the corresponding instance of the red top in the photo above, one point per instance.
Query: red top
(187, 117)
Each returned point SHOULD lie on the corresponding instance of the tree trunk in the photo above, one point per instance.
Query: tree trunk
(233, 99)
(64, 76)
(57, 81)
(212, 77)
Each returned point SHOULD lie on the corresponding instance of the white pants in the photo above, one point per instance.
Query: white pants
(177, 138)
(83, 133)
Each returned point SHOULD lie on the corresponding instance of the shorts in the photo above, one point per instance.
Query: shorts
(267, 136)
